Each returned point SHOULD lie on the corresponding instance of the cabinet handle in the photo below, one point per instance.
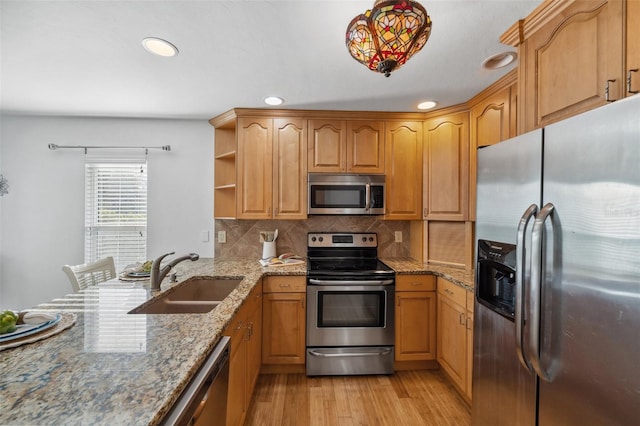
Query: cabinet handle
(425, 212)
(629, 81)
(469, 322)
(462, 318)
(285, 285)
(238, 327)
(275, 211)
(606, 91)
(398, 299)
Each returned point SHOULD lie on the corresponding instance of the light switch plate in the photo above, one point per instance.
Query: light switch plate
(398, 236)
(204, 236)
(222, 236)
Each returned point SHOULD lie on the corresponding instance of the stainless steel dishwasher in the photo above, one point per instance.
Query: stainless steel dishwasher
(204, 401)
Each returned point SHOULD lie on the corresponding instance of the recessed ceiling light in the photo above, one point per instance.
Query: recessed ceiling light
(159, 47)
(499, 60)
(427, 104)
(273, 100)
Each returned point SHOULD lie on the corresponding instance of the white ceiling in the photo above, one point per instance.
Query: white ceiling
(85, 58)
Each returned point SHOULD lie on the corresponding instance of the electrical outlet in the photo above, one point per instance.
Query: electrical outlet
(222, 236)
(204, 236)
(398, 236)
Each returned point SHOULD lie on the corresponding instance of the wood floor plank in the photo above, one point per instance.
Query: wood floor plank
(406, 398)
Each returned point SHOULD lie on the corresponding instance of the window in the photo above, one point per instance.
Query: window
(116, 212)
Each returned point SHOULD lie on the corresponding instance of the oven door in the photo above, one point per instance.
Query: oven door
(350, 313)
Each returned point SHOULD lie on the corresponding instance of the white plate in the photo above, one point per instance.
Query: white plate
(139, 274)
(24, 330)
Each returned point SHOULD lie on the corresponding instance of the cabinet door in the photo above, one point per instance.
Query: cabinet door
(237, 390)
(290, 169)
(446, 168)
(632, 84)
(254, 349)
(255, 138)
(572, 62)
(327, 146)
(403, 158)
(469, 326)
(283, 335)
(415, 325)
(365, 147)
(490, 124)
(452, 339)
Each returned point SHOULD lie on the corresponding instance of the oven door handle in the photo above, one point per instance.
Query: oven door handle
(314, 281)
(318, 353)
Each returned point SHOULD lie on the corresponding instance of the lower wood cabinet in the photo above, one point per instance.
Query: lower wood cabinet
(244, 364)
(284, 320)
(469, 326)
(455, 335)
(415, 318)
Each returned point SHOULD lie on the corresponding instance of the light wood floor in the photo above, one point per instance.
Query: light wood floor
(420, 397)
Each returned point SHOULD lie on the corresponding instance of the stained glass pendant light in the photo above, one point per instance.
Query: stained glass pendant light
(385, 37)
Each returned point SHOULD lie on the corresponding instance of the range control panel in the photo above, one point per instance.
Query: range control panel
(342, 239)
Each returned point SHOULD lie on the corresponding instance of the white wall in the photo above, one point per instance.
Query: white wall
(42, 217)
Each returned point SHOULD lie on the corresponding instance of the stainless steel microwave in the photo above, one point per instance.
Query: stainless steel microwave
(346, 194)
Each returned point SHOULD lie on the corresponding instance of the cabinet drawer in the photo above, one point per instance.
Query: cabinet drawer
(456, 293)
(285, 284)
(235, 329)
(415, 283)
(254, 299)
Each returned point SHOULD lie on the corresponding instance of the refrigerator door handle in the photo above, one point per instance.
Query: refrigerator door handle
(536, 290)
(522, 279)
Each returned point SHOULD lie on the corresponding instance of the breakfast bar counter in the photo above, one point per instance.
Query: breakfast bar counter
(112, 367)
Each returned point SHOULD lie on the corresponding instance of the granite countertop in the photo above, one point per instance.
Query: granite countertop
(459, 276)
(111, 367)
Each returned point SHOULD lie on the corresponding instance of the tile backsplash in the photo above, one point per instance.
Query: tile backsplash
(243, 236)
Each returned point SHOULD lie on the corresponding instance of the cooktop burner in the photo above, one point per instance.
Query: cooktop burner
(344, 254)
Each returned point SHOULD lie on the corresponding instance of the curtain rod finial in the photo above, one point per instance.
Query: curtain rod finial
(53, 146)
(166, 147)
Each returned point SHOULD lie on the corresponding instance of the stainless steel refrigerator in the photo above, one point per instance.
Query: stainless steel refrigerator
(557, 310)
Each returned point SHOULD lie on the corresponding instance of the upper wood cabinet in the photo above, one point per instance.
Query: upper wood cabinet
(403, 168)
(446, 167)
(327, 146)
(632, 83)
(340, 146)
(255, 173)
(492, 121)
(289, 168)
(271, 189)
(365, 146)
(571, 59)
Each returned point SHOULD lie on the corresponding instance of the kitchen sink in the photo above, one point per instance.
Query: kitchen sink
(195, 296)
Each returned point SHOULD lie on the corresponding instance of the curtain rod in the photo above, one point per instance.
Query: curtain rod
(53, 147)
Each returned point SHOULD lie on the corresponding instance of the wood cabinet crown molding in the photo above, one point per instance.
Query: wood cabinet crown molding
(539, 17)
(224, 118)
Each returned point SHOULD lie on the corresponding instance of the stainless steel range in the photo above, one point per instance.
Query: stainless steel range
(350, 306)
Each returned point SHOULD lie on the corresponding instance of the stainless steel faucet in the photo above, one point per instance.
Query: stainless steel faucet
(157, 274)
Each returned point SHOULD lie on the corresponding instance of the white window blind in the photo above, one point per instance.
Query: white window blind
(116, 212)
